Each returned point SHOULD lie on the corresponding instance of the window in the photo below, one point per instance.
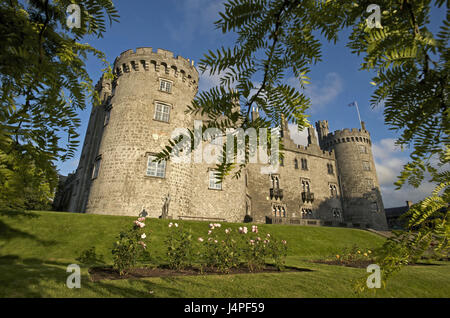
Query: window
(214, 182)
(307, 213)
(107, 116)
(96, 167)
(162, 112)
(275, 181)
(282, 162)
(374, 206)
(165, 86)
(156, 169)
(333, 190)
(362, 149)
(336, 213)
(366, 165)
(369, 183)
(305, 186)
(330, 168)
(295, 163)
(304, 164)
(279, 211)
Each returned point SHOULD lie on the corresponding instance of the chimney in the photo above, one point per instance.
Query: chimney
(363, 125)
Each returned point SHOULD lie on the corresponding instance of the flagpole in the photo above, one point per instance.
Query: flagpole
(359, 117)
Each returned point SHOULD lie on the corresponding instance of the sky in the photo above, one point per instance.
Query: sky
(186, 27)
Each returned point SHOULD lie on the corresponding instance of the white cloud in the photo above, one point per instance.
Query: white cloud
(321, 92)
(207, 81)
(389, 161)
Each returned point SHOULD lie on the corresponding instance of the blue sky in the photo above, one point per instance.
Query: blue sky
(186, 28)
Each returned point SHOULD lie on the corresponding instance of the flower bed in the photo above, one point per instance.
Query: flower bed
(354, 257)
(109, 273)
(220, 251)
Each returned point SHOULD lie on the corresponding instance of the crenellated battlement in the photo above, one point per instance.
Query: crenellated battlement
(346, 135)
(162, 61)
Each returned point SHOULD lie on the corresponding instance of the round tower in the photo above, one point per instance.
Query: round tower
(149, 96)
(361, 194)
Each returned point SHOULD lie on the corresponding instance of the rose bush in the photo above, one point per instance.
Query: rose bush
(129, 247)
(179, 247)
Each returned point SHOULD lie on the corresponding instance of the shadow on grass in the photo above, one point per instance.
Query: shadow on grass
(7, 233)
(32, 277)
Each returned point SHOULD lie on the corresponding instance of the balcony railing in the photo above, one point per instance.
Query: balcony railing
(277, 193)
(307, 196)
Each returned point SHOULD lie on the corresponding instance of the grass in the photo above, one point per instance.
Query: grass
(36, 247)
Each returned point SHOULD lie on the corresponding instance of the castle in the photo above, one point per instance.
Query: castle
(331, 181)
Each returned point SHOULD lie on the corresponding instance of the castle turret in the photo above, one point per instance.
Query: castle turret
(322, 130)
(149, 98)
(358, 178)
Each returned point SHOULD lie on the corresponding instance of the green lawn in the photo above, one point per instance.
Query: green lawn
(36, 247)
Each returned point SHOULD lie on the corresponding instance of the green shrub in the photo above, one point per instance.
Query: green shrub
(228, 249)
(129, 247)
(221, 249)
(90, 257)
(179, 247)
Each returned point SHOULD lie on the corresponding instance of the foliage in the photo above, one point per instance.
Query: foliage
(229, 248)
(179, 247)
(278, 250)
(129, 247)
(89, 256)
(44, 82)
(221, 250)
(354, 255)
(25, 183)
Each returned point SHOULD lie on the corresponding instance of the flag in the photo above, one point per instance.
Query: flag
(352, 104)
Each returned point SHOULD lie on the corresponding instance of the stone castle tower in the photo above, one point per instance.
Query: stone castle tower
(361, 195)
(332, 181)
(141, 108)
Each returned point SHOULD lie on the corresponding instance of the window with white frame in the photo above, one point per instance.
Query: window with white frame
(162, 111)
(214, 182)
(165, 86)
(156, 169)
